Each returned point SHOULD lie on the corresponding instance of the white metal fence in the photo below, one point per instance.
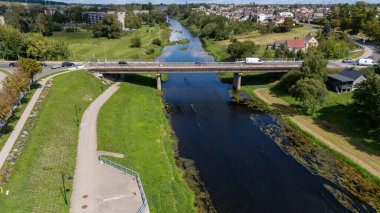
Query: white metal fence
(144, 207)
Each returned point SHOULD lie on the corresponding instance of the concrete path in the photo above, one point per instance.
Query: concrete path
(335, 139)
(100, 188)
(24, 117)
(2, 77)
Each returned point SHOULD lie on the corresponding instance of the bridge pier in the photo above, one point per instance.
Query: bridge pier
(236, 83)
(158, 77)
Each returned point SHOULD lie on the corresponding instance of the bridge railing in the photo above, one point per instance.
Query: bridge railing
(144, 208)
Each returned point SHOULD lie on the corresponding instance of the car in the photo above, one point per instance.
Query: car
(12, 64)
(55, 67)
(67, 64)
(365, 62)
(43, 64)
(198, 63)
(348, 60)
(123, 62)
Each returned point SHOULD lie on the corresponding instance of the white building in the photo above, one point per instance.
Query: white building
(261, 17)
(52, 11)
(286, 14)
(93, 17)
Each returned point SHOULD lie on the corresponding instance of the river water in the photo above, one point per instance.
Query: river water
(243, 168)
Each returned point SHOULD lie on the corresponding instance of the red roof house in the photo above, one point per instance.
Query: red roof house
(295, 44)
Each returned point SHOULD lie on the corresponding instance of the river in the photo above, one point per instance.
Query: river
(243, 168)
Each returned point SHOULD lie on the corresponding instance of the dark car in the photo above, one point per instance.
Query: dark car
(198, 63)
(12, 64)
(123, 62)
(43, 64)
(348, 60)
(67, 64)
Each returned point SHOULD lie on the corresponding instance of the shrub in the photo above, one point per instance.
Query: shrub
(156, 41)
(150, 51)
(136, 42)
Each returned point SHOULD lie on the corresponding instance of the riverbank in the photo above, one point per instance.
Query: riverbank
(84, 46)
(140, 131)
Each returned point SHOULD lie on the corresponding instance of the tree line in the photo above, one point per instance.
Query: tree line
(14, 45)
(15, 85)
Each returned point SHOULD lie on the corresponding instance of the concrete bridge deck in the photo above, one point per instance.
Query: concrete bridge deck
(191, 67)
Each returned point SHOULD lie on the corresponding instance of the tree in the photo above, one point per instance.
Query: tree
(314, 65)
(136, 42)
(243, 49)
(334, 48)
(11, 42)
(59, 18)
(287, 25)
(326, 30)
(109, 27)
(7, 99)
(335, 23)
(132, 21)
(372, 29)
(310, 92)
(18, 82)
(367, 99)
(29, 67)
(44, 24)
(289, 79)
(157, 41)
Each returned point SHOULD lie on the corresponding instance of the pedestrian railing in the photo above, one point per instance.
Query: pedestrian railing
(144, 208)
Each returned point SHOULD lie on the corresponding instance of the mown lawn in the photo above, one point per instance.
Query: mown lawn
(132, 122)
(84, 46)
(51, 147)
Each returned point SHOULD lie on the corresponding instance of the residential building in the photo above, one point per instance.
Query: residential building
(345, 81)
(52, 11)
(286, 14)
(277, 44)
(310, 41)
(261, 17)
(141, 12)
(295, 45)
(92, 17)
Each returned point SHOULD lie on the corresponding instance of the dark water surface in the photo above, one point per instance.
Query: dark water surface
(243, 169)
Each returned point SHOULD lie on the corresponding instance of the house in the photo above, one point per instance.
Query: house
(345, 81)
(277, 44)
(286, 14)
(295, 45)
(310, 41)
(261, 17)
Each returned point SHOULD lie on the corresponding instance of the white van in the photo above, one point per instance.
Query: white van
(253, 61)
(365, 62)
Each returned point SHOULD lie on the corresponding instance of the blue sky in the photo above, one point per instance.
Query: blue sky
(216, 1)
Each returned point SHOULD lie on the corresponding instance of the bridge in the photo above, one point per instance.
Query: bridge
(238, 68)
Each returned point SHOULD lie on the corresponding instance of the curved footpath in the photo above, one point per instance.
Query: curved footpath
(366, 158)
(100, 188)
(24, 117)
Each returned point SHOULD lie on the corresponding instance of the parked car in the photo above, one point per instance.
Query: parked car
(67, 64)
(12, 64)
(366, 62)
(348, 60)
(123, 62)
(43, 64)
(55, 67)
(198, 63)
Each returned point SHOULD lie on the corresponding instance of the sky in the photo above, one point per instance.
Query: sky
(216, 1)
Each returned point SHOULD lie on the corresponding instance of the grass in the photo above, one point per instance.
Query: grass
(142, 133)
(50, 147)
(355, 54)
(6, 72)
(7, 131)
(83, 45)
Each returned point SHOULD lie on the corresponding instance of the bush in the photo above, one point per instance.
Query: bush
(150, 51)
(156, 41)
(57, 28)
(289, 79)
(136, 42)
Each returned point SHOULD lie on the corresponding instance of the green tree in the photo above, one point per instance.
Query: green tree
(132, 21)
(11, 42)
(44, 24)
(136, 42)
(367, 99)
(311, 93)
(287, 25)
(326, 30)
(289, 79)
(109, 27)
(29, 67)
(243, 49)
(314, 65)
(60, 18)
(156, 41)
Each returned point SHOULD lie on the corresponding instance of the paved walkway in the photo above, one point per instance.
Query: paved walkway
(2, 77)
(357, 152)
(21, 122)
(100, 188)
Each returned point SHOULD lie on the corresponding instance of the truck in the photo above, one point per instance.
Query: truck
(253, 61)
(366, 62)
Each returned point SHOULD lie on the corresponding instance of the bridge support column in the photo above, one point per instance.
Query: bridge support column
(158, 77)
(237, 80)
